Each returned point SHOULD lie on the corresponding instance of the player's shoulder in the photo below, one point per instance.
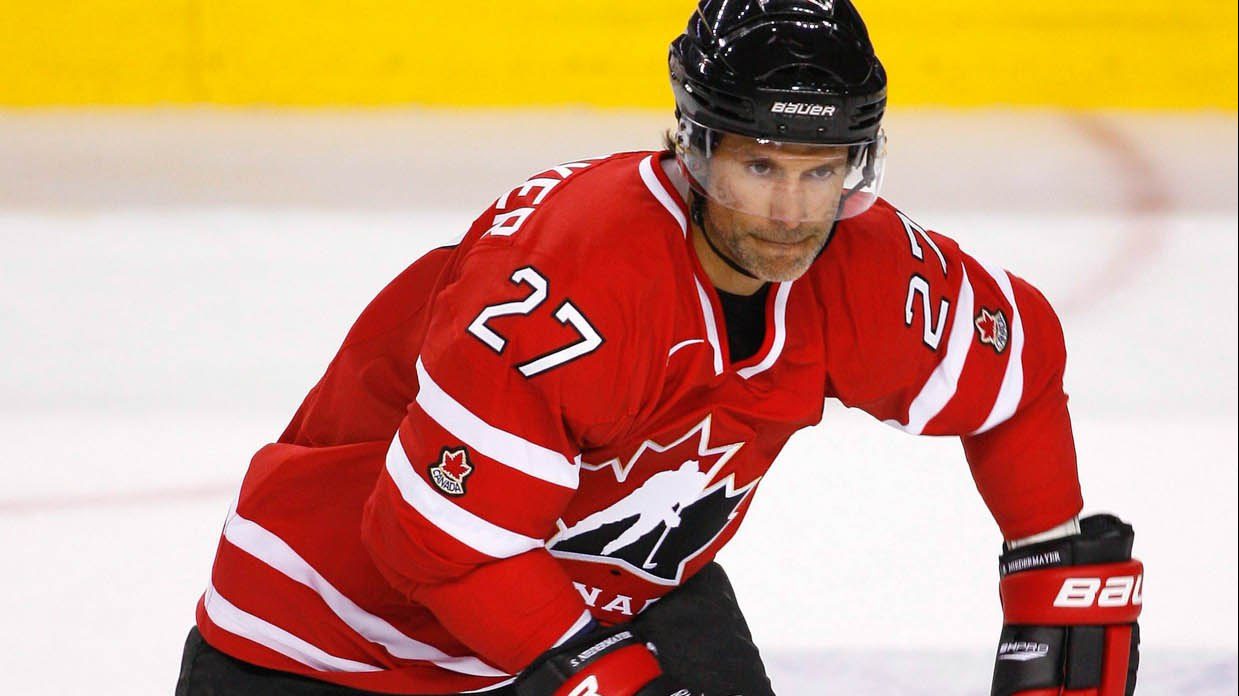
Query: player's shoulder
(878, 247)
(565, 281)
(871, 238)
(866, 280)
(602, 216)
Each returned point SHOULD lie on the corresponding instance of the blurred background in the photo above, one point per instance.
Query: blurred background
(198, 196)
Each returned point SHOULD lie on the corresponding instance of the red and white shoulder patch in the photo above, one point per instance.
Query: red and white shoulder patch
(450, 472)
(992, 329)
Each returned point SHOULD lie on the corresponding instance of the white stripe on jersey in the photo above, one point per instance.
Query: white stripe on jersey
(238, 622)
(453, 520)
(663, 196)
(780, 332)
(1012, 389)
(937, 391)
(577, 626)
(267, 547)
(707, 313)
(489, 689)
(504, 447)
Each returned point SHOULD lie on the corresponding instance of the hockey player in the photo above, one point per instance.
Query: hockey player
(515, 474)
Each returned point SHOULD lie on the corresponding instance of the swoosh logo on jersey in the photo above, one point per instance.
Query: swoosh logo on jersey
(683, 344)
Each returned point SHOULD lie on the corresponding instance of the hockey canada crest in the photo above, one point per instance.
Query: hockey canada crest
(450, 472)
(992, 329)
(674, 515)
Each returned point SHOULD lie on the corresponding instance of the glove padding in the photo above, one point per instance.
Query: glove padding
(1069, 614)
(608, 662)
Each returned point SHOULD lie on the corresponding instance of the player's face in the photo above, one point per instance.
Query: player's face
(775, 204)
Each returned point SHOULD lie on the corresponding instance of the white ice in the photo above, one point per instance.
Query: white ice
(171, 283)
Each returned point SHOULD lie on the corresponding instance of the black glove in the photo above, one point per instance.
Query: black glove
(1069, 614)
(608, 662)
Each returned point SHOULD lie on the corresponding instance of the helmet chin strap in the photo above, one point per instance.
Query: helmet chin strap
(698, 210)
(868, 174)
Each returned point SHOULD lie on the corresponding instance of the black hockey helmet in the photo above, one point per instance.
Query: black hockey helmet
(792, 72)
(788, 70)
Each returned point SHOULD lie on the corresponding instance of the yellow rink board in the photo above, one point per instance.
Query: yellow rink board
(1090, 53)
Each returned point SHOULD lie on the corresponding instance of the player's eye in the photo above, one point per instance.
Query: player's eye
(823, 172)
(760, 167)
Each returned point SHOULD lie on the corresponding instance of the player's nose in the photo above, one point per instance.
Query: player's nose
(787, 206)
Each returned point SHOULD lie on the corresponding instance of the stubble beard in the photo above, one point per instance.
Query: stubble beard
(775, 267)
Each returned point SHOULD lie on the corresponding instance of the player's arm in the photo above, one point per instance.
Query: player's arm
(947, 345)
(935, 342)
(481, 467)
(515, 373)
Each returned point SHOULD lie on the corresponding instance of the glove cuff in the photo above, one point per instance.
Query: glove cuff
(1090, 595)
(627, 657)
(1102, 539)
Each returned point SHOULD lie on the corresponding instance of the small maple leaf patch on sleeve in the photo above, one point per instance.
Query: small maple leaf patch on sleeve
(450, 472)
(992, 329)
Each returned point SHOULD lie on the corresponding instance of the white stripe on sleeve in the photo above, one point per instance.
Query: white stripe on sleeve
(455, 521)
(504, 447)
(269, 548)
(937, 391)
(238, 622)
(1012, 389)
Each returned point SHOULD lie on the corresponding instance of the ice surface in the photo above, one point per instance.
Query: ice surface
(170, 285)
(930, 673)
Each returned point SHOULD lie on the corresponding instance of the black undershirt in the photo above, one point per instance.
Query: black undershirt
(745, 317)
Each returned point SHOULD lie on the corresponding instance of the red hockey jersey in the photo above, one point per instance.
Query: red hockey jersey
(542, 423)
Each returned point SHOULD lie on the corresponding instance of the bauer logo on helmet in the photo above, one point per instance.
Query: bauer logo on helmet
(802, 109)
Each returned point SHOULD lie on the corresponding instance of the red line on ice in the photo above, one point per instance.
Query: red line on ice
(1147, 199)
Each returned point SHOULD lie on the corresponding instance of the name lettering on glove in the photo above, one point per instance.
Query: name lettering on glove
(1051, 558)
(585, 656)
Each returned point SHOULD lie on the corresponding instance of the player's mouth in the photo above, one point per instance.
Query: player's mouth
(786, 245)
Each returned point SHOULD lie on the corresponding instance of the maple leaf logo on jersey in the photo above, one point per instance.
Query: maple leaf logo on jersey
(452, 469)
(992, 329)
(672, 517)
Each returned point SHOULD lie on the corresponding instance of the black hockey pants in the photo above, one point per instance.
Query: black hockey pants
(702, 638)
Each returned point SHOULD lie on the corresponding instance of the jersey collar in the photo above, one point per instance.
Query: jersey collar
(655, 179)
